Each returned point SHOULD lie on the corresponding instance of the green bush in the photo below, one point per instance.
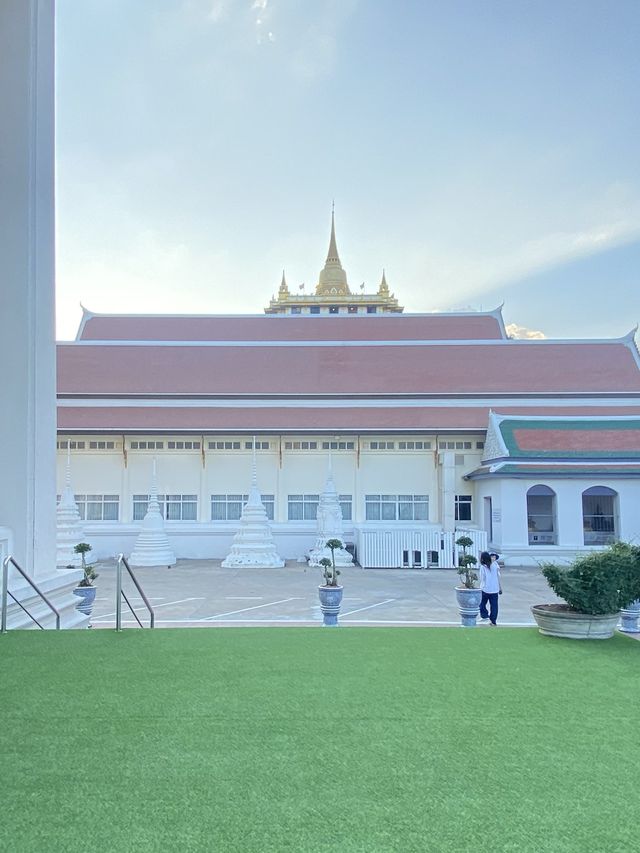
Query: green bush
(598, 583)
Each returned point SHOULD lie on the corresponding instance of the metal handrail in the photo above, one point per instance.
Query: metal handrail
(120, 594)
(5, 593)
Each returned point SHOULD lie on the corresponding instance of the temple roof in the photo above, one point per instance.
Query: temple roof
(353, 368)
(537, 438)
(306, 417)
(286, 327)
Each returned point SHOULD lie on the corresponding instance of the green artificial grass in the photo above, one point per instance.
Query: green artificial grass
(309, 739)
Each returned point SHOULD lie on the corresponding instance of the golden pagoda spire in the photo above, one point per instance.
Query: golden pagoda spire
(333, 279)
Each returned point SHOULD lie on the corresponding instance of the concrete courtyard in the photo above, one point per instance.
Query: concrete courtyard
(199, 593)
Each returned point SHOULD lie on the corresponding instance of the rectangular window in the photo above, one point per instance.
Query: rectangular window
(463, 507)
(315, 309)
(98, 507)
(260, 445)
(146, 445)
(172, 507)
(302, 507)
(479, 445)
(181, 507)
(73, 445)
(183, 445)
(295, 309)
(224, 445)
(372, 309)
(229, 507)
(101, 445)
(338, 445)
(382, 445)
(414, 445)
(334, 309)
(397, 507)
(301, 445)
(352, 309)
(346, 505)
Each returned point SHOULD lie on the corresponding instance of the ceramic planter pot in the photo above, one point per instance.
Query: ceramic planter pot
(557, 620)
(330, 601)
(468, 605)
(87, 595)
(629, 618)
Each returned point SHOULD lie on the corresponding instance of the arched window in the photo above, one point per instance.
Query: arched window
(599, 515)
(541, 515)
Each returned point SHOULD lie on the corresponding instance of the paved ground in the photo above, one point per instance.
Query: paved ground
(201, 593)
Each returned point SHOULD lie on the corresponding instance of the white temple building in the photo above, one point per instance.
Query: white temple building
(435, 423)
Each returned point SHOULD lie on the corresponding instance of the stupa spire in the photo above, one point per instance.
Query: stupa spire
(333, 279)
(332, 254)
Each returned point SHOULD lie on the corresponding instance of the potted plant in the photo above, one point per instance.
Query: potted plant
(629, 616)
(85, 589)
(467, 594)
(330, 592)
(595, 587)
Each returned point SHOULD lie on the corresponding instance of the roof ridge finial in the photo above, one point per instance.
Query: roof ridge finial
(283, 284)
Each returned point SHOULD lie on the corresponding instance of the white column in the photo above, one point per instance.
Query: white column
(27, 356)
(126, 504)
(447, 491)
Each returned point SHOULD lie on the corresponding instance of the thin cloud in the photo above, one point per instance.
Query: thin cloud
(516, 331)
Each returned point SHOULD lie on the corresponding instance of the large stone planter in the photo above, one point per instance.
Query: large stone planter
(330, 601)
(558, 620)
(629, 618)
(468, 605)
(87, 595)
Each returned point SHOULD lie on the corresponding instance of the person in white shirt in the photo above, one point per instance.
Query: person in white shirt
(491, 586)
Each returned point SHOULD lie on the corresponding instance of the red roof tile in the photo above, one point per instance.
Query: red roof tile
(290, 419)
(577, 440)
(500, 367)
(403, 327)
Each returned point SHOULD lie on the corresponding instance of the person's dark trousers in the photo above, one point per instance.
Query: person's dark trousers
(492, 598)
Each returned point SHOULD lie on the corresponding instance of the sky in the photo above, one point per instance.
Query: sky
(480, 151)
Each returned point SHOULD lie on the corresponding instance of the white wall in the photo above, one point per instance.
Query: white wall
(305, 472)
(510, 532)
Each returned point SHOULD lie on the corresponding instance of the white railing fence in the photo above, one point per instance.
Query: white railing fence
(414, 548)
(479, 539)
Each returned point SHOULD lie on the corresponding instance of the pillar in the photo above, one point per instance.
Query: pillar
(27, 364)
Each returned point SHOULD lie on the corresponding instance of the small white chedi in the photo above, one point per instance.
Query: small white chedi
(329, 526)
(152, 546)
(253, 545)
(69, 530)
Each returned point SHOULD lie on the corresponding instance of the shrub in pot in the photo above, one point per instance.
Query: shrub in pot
(467, 594)
(595, 588)
(85, 589)
(330, 592)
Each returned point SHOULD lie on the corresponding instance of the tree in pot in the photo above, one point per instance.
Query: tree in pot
(330, 592)
(595, 587)
(467, 594)
(85, 589)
